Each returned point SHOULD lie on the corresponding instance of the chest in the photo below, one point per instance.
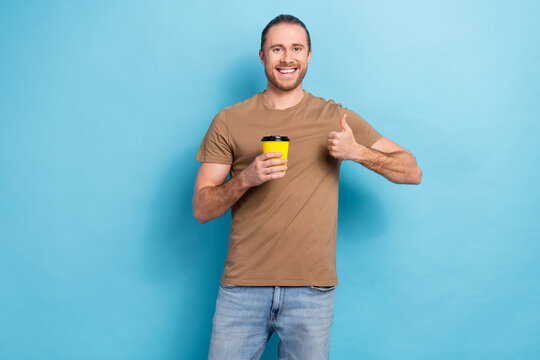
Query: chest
(308, 135)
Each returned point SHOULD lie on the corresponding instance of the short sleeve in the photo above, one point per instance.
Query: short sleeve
(363, 132)
(216, 147)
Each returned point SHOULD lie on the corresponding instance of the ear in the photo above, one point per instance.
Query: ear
(309, 56)
(261, 56)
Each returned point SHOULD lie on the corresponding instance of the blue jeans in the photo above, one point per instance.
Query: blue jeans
(246, 317)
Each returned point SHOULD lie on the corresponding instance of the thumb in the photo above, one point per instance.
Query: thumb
(344, 125)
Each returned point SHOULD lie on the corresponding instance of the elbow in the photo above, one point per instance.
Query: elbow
(199, 217)
(418, 176)
(198, 214)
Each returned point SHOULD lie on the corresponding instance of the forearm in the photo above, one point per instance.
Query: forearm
(211, 202)
(400, 167)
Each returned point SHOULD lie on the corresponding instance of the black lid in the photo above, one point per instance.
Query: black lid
(275, 138)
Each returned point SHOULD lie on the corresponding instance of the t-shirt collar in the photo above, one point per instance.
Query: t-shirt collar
(294, 107)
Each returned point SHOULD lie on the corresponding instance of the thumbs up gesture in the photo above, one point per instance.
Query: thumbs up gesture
(342, 145)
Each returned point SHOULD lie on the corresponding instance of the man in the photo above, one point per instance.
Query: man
(280, 272)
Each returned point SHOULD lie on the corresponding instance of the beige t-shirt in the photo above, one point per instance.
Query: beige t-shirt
(283, 232)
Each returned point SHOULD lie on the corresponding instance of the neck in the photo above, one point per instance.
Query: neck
(280, 99)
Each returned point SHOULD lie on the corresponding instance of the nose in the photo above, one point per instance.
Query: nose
(287, 55)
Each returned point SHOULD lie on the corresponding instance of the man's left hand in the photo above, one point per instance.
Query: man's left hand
(342, 144)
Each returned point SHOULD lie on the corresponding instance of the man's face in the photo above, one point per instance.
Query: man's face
(285, 55)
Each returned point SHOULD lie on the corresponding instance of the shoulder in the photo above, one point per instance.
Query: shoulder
(234, 112)
(336, 110)
(320, 102)
(241, 107)
(324, 107)
(314, 99)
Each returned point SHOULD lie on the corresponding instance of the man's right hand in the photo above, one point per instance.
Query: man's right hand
(213, 196)
(263, 169)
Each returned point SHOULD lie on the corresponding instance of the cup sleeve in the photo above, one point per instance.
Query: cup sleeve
(216, 145)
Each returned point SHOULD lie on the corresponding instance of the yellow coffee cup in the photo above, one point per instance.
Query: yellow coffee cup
(276, 143)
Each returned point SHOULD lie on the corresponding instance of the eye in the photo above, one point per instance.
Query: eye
(296, 49)
(277, 49)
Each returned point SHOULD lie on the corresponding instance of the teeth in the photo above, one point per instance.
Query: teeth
(286, 71)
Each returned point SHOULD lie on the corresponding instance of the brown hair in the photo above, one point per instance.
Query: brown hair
(287, 19)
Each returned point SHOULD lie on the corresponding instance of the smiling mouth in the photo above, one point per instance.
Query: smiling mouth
(286, 70)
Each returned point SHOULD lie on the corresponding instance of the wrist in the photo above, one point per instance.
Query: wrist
(359, 153)
(242, 181)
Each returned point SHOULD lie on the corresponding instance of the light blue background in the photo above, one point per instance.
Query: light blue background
(104, 104)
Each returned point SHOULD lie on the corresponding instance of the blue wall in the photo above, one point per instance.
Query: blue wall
(104, 104)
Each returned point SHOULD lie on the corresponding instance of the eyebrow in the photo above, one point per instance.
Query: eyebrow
(275, 45)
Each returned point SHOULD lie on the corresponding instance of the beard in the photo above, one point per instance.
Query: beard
(284, 85)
